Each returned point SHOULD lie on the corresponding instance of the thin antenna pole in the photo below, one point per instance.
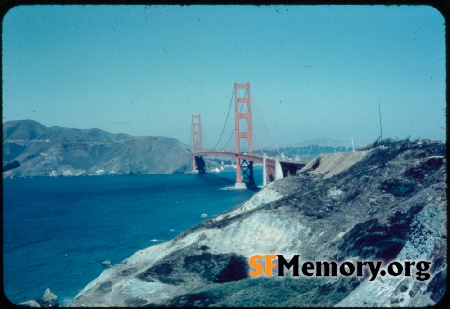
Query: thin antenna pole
(381, 128)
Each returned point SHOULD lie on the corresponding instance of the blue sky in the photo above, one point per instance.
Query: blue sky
(314, 71)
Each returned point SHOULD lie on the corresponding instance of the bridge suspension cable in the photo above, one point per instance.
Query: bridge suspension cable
(232, 134)
(270, 135)
(206, 140)
(240, 111)
(226, 119)
(260, 148)
(228, 141)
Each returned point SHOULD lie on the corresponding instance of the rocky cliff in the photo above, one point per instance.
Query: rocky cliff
(385, 203)
(54, 151)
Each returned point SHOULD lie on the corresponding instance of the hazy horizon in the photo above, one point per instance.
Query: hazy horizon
(314, 71)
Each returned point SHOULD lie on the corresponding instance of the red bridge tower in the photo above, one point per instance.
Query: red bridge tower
(243, 132)
(197, 146)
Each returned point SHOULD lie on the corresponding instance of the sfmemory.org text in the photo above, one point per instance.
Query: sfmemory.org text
(266, 264)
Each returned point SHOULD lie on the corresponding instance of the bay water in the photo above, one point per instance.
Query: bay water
(57, 231)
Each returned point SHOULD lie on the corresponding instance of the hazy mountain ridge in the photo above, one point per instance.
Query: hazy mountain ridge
(54, 151)
(309, 149)
(27, 130)
(325, 142)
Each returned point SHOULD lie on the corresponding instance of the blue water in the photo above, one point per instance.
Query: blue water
(57, 231)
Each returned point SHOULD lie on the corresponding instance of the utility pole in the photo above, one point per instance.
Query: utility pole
(381, 128)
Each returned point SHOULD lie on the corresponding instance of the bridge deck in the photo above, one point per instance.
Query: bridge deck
(245, 156)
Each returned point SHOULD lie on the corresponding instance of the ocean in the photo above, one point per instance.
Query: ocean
(57, 231)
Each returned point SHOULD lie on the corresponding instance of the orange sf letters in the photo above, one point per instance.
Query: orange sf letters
(255, 262)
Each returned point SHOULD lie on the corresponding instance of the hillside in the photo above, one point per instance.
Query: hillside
(54, 151)
(327, 142)
(309, 149)
(385, 203)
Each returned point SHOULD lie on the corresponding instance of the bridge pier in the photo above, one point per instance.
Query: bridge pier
(247, 171)
(268, 170)
(244, 171)
(239, 184)
(278, 169)
(272, 170)
(198, 165)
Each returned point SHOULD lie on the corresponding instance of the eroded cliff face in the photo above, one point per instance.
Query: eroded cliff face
(387, 203)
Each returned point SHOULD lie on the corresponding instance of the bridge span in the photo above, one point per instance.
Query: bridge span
(273, 167)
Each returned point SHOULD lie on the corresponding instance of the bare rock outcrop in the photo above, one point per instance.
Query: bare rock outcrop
(47, 300)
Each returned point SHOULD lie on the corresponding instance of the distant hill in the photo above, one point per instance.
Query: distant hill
(26, 130)
(55, 151)
(326, 142)
(309, 149)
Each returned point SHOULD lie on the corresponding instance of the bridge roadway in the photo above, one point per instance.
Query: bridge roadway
(274, 168)
(245, 156)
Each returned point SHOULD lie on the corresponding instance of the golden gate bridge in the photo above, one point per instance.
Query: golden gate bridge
(274, 167)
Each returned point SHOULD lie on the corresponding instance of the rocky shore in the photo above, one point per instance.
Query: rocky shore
(47, 300)
(387, 202)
